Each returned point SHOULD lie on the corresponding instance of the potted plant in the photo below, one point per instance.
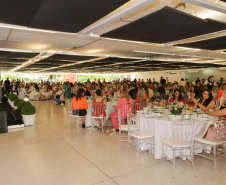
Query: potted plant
(16, 102)
(22, 103)
(28, 114)
(12, 98)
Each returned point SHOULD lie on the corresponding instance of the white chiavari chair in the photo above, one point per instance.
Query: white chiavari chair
(97, 114)
(216, 138)
(139, 135)
(122, 120)
(182, 140)
(73, 112)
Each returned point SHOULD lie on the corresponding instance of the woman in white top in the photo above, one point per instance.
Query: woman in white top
(60, 99)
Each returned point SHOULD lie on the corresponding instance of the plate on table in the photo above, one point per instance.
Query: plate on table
(211, 117)
(175, 118)
(148, 115)
(200, 119)
(140, 111)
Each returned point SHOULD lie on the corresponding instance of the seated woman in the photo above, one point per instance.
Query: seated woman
(140, 101)
(99, 106)
(59, 96)
(221, 102)
(161, 94)
(79, 104)
(107, 92)
(220, 91)
(206, 102)
(124, 101)
(33, 92)
(177, 97)
(196, 93)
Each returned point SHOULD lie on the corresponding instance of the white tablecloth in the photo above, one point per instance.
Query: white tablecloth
(162, 128)
(109, 110)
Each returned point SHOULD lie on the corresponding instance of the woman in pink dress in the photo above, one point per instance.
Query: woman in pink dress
(125, 106)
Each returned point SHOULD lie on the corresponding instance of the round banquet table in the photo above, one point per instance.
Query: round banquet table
(162, 128)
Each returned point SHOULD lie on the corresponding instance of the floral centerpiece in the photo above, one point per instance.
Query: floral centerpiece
(176, 107)
(107, 97)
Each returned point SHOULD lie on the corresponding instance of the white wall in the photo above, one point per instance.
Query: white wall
(146, 75)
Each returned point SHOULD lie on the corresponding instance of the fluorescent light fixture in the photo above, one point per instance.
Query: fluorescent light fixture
(187, 47)
(192, 71)
(19, 50)
(208, 5)
(194, 56)
(152, 52)
(72, 64)
(37, 58)
(32, 29)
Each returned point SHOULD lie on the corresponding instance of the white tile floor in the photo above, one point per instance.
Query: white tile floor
(47, 154)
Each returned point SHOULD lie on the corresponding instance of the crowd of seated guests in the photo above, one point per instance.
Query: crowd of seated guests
(203, 94)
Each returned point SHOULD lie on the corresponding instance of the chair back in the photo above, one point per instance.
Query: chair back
(98, 109)
(137, 107)
(133, 124)
(219, 131)
(125, 109)
(183, 132)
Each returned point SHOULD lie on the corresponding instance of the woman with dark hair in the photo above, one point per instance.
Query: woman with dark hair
(177, 97)
(79, 104)
(197, 80)
(161, 94)
(197, 93)
(99, 106)
(206, 102)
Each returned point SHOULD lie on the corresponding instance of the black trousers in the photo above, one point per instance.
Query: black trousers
(80, 112)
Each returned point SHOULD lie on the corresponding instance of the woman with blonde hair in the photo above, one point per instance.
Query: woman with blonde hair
(125, 105)
(140, 101)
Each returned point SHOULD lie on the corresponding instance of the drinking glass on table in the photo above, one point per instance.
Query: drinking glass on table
(191, 108)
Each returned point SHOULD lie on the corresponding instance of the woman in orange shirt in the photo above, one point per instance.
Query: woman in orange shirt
(79, 104)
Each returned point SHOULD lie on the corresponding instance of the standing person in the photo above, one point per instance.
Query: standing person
(17, 83)
(182, 82)
(69, 90)
(162, 81)
(167, 80)
(7, 85)
(197, 80)
(210, 82)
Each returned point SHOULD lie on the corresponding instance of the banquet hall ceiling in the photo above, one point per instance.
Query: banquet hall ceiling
(110, 36)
